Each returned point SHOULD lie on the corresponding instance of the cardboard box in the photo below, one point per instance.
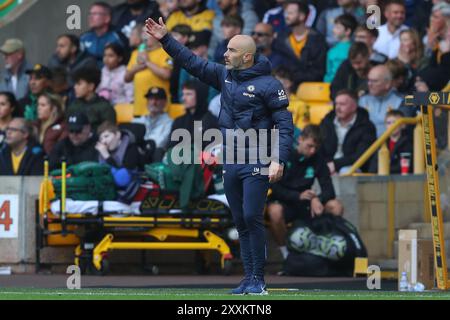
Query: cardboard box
(416, 258)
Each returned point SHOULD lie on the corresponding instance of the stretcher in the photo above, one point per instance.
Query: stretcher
(155, 222)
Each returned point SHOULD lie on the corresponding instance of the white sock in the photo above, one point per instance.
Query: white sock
(284, 251)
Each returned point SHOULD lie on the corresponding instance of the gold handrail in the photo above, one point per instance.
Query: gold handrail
(379, 142)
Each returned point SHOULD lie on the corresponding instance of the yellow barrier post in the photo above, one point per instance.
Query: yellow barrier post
(379, 142)
(419, 159)
(384, 161)
(63, 197)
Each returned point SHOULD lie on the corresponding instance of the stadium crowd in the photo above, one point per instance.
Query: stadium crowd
(69, 105)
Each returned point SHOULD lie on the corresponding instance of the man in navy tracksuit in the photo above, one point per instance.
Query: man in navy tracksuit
(251, 99)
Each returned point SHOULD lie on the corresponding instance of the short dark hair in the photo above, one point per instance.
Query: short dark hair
(363, 27)
(118, 50)
(11, 99)
(182, 29)
(348, 21)
(352, 94)
(301, 5)
(394, 113)
(397, 68)
(284, 72)
(312, 131)
(88, 74)
(106, 6)
(397, 2)
(232, 20)
(74, 40)
(358, 48)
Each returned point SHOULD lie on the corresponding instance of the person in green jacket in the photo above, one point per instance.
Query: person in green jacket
(97, 109)
(344, 26)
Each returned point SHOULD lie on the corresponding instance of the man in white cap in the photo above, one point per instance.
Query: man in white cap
(14, 78)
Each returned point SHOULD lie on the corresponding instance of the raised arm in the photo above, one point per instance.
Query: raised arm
(208, 72)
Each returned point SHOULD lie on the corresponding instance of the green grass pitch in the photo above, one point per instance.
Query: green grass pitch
(210, 294)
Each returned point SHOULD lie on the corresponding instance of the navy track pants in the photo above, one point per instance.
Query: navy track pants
(246, 192)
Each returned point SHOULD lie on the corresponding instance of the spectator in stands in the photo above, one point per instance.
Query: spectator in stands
(101, 32)
(437, 27)
(117, 148)
(8, 104)
(304, 48)
(411, 51)
(382, 97)
(347, 133)
(78, 146)
(193, 13)
(369, 36)
(196, 106)
(293, 198)
(344, 25)
(97, 109)
(112, 85)
(388, 41)
(276, 16)
(326, 21)
(157, 122)
(13, 78)
(21, 155)
(231, 26)
(242, 9)
(50, 124)
(135, 38)
(403, 79)
(352, 73)
(60, 85)
(70, 56)
(40, 81)
(435, 74)
(199, 46)
(167, 7)
(298, 108)
(182, 34)
(264, 37)
(148, 68)
(400, 141)
(127, 15)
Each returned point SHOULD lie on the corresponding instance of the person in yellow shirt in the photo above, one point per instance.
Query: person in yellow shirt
(21, 155)
(192, 13)
(304, 49)
(149, 66)
(298, 108)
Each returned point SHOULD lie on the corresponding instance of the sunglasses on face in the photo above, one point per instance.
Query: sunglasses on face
(260, 34)
(14, 129)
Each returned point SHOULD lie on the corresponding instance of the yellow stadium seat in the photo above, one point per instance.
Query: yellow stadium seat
(124, 112)
(318, 110)
(176, 110)
(314, 92)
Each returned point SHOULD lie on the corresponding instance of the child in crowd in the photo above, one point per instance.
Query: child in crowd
(113, 86)
(344, 25)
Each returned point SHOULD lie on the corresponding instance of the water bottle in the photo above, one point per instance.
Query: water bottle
(142, 48)
(403, 282)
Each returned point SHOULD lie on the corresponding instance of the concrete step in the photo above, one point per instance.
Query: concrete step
(424, 230)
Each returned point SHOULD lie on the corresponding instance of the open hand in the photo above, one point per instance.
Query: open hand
(275, 172)
(156, 30)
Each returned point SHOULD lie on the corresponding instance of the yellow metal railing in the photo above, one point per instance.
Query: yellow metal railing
(418, 146)
(6, 4)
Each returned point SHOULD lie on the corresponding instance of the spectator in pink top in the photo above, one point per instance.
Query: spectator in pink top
(113, 86)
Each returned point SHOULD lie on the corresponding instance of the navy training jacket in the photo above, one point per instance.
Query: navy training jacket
(251, 98)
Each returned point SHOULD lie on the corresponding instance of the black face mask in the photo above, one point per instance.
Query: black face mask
(137, 5)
